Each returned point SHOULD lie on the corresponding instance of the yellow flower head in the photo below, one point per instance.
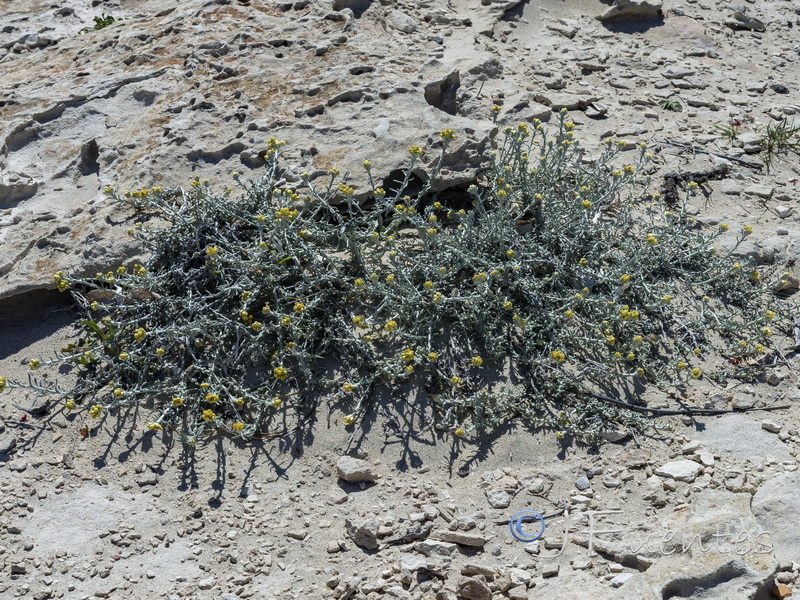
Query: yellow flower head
(348, 419)
(280, 373)
(652, 239)
(299, 307)
(447, 134)
(625, 278)
(212, 251)
(139, 334)
(212, 398)
(408, 355)
(455, 380)
(747, 230)
(177, 402)
(95, 411)
(276, 402)
(723, 227)
(154, 427)
(476, 361)
(479, 277)
(118, 393)
(508, 305)
(510, 253)
(438, 297)
(696, 373)
(459, 432)
(359, 283)
(390, 325)
(33, 364)
(432, 356)
(770, 315)
(160, 352)
(415, 151)
(209, 415)
(558, 356)
(238, 426)
(69, 404)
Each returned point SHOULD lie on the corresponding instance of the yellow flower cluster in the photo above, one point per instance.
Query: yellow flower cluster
(447, 134)
(479, 277)
(345, 189)
(3, 383)
(280, 373)
(348, 387)
(476, 361)
(558, 356)
(626, 313)
(209, 415)
(61, 282)
(238, 426)
(390, 325)
(408, 355)
(139, 334)
(95, 411)
(415, 151)
(286, 213)
(154, 427)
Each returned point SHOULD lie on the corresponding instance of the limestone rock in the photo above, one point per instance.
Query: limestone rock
(462, 538)
(473, 588)
(775, 504)
(739, 20)
(680, 470)
(363, 532)
(402, 21)
(498, 498)
(632, 10)
(355, 470)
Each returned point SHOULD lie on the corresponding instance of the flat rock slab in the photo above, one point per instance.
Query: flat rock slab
(776, 507)
(726, 434)
(680, 470)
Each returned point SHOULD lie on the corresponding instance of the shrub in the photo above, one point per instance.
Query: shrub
(100, 22)
(547, 287)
